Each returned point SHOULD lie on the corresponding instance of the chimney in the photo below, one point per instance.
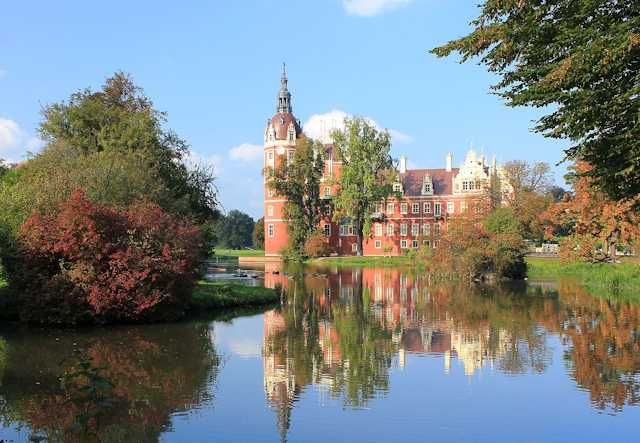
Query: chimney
(449, 162)
(403, 164)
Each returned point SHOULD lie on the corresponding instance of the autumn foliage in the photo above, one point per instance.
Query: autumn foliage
(316, 245)
(89, 262)
(599, 225)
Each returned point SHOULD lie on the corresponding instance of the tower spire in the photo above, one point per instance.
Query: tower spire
(284, 96)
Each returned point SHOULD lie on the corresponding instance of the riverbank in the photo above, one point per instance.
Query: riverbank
(352, 260)
(238, 252)
(621, 280)
(206, 297)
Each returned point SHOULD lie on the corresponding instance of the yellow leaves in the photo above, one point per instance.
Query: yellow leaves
(559, 74)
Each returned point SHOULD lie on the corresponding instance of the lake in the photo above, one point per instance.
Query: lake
(355, 354)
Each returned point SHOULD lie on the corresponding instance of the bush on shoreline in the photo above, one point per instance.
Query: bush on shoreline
(91, 263)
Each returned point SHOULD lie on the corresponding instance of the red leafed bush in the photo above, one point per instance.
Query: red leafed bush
(316, 246)
(88, 262)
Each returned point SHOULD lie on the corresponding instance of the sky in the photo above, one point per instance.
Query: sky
(214, 67)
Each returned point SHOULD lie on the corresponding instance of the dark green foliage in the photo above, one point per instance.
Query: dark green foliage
(367, 174)
(221, 295)
(581, 58)
(258, 234)
(235, 230)
(120, 120)
(299, 182)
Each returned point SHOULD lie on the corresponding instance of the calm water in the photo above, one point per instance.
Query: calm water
(354, 355)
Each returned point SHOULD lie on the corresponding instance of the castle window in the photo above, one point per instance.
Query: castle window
(463, 206)
(397, 187)
(378, 230)
(427, 208)
(271, 230)
(415, 208)
(354, 247)
(270, 155)
(378, 244)
(292, 134)
(426, 229)
(415, 229)
(390, 229)
(436, 229)
(414, 244)
(270, 211)
(403, 229)
(450, 207)
(437, 209)
(391, 208)
(465, 186)
(404, 208)
(327, 229)
(327, 191)
(290, 154)
(403, 244)
(427, 243)
(478, 185)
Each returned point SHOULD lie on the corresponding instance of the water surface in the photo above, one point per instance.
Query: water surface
(355, 354)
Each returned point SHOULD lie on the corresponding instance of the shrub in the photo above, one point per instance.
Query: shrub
(316, 246)
(87, 262)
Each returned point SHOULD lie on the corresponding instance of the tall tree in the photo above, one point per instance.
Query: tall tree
(121, 119)
(258, 234)
(235, 230)
(599, 224)
(580, 57)
(367, 173)
(299, 181)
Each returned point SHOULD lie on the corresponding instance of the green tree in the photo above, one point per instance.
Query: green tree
(367, 173)
(258, 234)
(299, 182)
(580, 57)
(235, 230)
(121, 119)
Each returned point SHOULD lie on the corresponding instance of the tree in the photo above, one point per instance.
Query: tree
(367, 173)
(258, 234)
(299, 182)
(235, 230)
(596, 220)
(120, 119)
(580, 58)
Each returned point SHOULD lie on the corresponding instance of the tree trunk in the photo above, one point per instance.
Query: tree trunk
(359, 235)
(612, 246)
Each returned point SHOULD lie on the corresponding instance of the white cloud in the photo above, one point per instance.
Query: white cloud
(369, 8)
(15, 142)
(246, 152)
(320, 126)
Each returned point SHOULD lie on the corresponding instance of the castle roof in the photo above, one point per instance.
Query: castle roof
(442, 179)
(281, 122)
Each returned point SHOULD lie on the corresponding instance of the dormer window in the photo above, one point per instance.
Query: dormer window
(427, 185)
(397, 187)
(292, 133)
(282, 121)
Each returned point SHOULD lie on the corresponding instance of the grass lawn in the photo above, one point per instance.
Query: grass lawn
(219, 295)
(621, 280)
(362, 261)
(238, 252)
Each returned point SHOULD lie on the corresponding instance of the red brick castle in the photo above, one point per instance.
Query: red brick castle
(429, 196)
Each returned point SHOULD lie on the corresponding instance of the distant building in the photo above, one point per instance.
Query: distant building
(429, 197)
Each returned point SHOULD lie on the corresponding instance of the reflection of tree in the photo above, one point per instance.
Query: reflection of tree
(156, 370)
(604, 356)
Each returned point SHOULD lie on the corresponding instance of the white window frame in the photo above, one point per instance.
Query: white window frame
(426, 243)
(403, 229)
(271, 230)
(415, 229)
(391, 208)
(327, 191)
(427, 207)
(403, 244)
(450, 207)
(378, 229)
(390, 229)
(270, 211)
(404, 208)
(354, 247)
(436, 229)
(414, 244)
(463, 206)
(415, 208)
(327, 229)
(437, 209)
(378, 244)
(426, 230)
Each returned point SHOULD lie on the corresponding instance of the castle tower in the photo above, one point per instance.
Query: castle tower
(280, 136)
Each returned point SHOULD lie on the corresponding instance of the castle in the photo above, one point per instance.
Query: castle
(429, 197)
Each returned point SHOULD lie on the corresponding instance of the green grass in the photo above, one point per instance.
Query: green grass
(238, 252)
(362, 261)
(620, 280)
(224, 295)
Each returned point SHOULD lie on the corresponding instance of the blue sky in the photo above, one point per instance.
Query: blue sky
(214, 67)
